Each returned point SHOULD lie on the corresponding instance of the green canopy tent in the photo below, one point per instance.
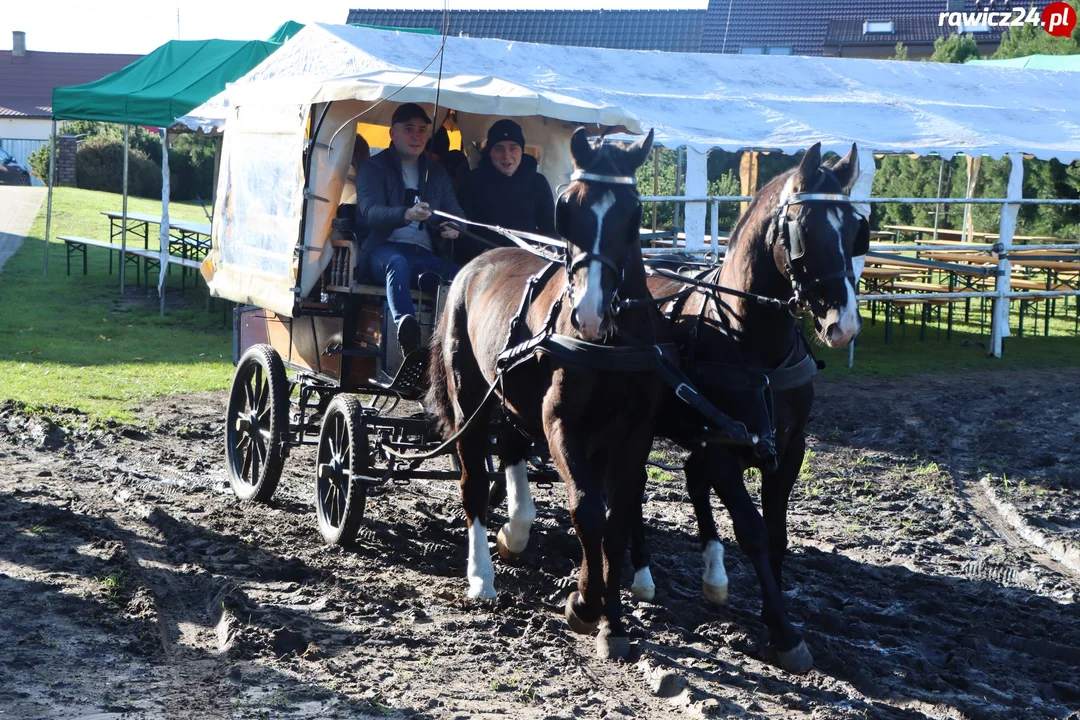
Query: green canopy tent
(155, 90)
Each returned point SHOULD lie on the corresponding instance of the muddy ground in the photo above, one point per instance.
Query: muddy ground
(933, 570)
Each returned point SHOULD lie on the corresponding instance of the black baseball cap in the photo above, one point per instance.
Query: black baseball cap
(409, 111)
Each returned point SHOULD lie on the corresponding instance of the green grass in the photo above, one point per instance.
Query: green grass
(966, 351)
(74, 342)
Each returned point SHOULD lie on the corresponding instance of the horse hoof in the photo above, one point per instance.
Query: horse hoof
(612, 647)
(716, 594)
(797, 660)
(505, 552)
(644, 592)
(480, 594)
(576, 624)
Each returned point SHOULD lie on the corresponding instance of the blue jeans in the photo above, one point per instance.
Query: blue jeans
(401, 267)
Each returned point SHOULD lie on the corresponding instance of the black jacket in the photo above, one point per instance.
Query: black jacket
(520, 202)
(380, 202)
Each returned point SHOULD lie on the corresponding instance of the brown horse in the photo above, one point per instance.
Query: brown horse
(800, 238)
(545, 341)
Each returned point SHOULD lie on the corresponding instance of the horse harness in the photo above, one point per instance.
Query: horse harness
(789, 233)
(661, 358)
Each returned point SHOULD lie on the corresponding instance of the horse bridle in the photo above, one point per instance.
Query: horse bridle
(789, 233)
(575, 262)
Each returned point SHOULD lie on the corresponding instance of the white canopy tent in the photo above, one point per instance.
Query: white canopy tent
(732, 102)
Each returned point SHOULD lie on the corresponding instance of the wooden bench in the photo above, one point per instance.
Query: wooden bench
(79, 244)
(75, 244)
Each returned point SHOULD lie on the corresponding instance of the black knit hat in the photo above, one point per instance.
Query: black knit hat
(505, 129)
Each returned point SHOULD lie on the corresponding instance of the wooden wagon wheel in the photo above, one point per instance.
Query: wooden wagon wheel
(256, 422)
(344, 455)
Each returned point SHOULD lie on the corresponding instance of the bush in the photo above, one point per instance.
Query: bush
(191, 160)
(99, 165)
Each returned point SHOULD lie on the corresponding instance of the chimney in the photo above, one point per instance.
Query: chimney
(18, 43)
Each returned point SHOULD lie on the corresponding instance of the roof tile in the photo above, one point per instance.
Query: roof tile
(668, 30)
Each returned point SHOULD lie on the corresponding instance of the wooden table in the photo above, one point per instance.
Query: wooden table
(191, 240)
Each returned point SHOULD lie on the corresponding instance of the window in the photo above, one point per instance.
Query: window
(767, 50)
(980, 28)
(879, 26)
(4, 155)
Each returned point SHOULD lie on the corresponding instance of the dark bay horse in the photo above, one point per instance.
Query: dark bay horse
(597, 421)
(800, 238)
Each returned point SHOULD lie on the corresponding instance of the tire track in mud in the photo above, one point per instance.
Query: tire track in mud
(1001, 518)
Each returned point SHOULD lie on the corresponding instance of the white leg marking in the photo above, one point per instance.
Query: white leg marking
(589, 305)
(520, 508)
(643, 588)
(714, 579)
(481, 571)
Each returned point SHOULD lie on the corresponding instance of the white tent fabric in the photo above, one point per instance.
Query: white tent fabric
(700, 100)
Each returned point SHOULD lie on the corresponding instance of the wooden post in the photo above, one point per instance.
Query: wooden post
(748, 176)
(974, 164)
(1009, 211)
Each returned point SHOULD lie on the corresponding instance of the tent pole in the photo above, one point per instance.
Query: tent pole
(123, 214)
(217, 169)
(999, 329)
(48, 212)
(164, 235)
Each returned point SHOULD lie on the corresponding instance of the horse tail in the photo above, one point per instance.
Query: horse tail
(437, 399)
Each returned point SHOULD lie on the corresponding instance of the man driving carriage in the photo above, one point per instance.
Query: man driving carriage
(400, 244)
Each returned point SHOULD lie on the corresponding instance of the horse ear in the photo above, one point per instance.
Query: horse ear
(581, 150)
(846, 168)
(639, 151)
(808, 167)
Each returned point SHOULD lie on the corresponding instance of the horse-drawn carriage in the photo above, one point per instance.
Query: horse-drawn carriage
(571, 345)
(317, 360)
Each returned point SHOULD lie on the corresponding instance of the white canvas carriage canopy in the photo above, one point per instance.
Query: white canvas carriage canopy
(702, 101)
(262, 202)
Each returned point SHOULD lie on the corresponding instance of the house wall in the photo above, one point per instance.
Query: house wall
(25, 128)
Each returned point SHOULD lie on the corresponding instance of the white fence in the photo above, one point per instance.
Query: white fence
(1002, 293)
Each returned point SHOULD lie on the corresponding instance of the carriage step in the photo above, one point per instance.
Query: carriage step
(407, 380)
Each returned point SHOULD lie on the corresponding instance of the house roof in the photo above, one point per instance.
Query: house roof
(908, 31)
(668, 30)
(27, 82)
(731, 25)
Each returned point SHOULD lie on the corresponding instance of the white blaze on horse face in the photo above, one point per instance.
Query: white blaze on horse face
(714, 582)
(842, 324)
(481, 571)
(589, 303)
(520, 508)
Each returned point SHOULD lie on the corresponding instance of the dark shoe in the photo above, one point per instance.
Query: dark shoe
(408, 335)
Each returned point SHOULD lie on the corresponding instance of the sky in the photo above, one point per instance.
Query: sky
(127, 26)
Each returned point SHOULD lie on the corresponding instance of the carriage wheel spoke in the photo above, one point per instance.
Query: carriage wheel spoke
(264, 395)
(249, 394)
(249, 455)
(255, 460)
